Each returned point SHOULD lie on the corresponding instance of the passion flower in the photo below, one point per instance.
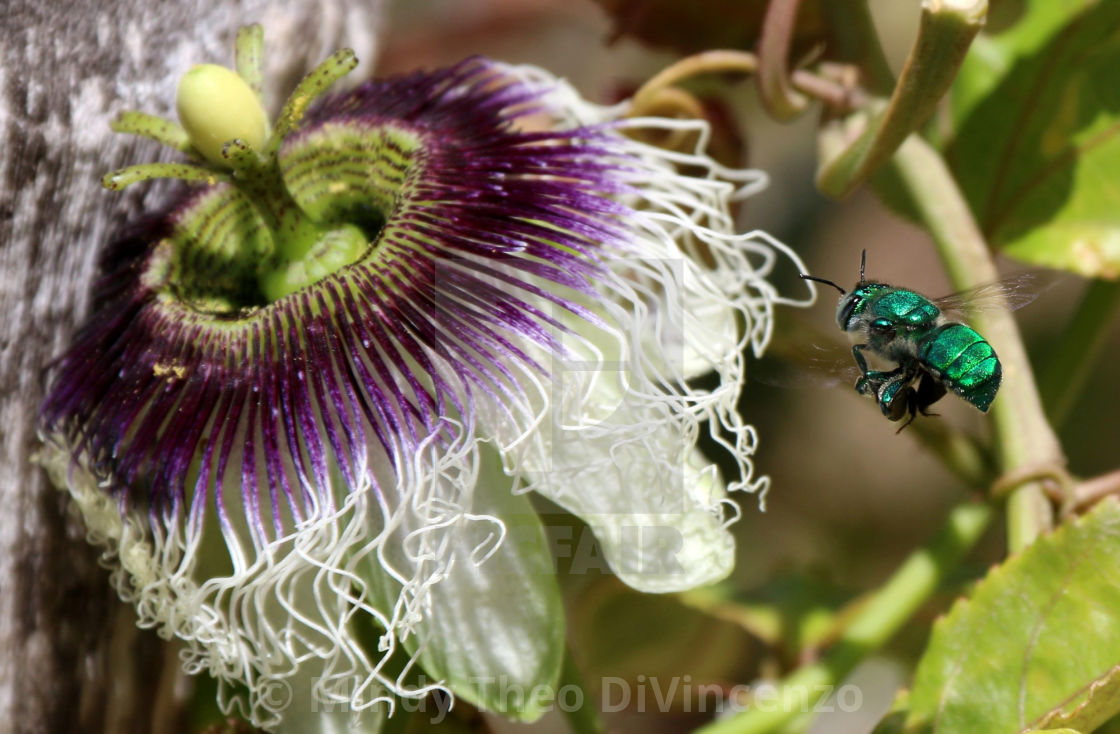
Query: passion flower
(311, 397)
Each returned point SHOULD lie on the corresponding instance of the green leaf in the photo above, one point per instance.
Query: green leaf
(1099, 706)
(894, 721)
(1037, 144)
(619, 633)
(792, 613)
(1037, 645)
(992, 56)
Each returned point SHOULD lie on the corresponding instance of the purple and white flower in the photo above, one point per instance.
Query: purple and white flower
(300, 482)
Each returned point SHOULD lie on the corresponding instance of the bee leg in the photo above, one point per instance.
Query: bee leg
(899, 404)
(871, 383)
(861, 361)
(870, 380)
(893, 390)
(929, 391)
(912, 407)
(924, 391)
(895, 395)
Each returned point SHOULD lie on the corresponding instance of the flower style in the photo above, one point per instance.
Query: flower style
(311, 398)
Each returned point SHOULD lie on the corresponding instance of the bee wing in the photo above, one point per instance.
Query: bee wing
(813, 366)
(1012, 293)
(836, 367)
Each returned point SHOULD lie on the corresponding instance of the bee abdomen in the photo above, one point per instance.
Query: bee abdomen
(963, 361)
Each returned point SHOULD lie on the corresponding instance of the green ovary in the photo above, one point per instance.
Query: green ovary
(216, 106)
(332, 251)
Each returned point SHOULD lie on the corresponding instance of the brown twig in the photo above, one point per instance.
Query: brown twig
(1091, 491)
(775, 86)
(824, 88)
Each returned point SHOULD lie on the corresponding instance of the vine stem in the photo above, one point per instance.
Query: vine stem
(877, 620)
(945, 32)
(583, 719)
(1023, 436)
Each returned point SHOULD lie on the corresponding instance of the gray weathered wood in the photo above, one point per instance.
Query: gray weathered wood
(71, 660)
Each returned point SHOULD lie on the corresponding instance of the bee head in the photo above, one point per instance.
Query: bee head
(852, 302)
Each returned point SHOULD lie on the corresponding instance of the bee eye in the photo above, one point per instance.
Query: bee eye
(847, 308)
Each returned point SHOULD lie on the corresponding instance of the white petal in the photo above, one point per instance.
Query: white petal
(491, 628)
(307, 713)
(271, 623)
(618, 451)
(661, 527)
(619, 419)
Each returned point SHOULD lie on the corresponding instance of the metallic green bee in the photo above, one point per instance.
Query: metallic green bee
(919, 353)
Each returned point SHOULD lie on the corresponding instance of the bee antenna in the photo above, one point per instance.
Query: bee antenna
(862, 265)
(822, 280)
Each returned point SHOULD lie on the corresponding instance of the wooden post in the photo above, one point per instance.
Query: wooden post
(71, 657)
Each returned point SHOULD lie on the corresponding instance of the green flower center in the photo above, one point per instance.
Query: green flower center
(270, 225)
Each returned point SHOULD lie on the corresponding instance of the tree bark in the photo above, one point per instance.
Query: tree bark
(71, 657)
